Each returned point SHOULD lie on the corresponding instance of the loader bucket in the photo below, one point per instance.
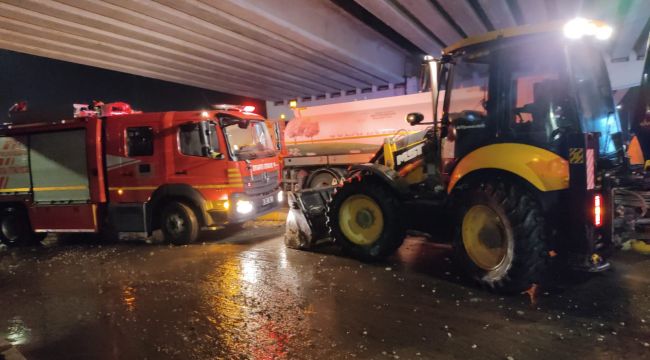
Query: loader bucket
(306, 223)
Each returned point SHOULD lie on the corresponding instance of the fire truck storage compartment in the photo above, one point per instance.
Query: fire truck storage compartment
(64, 218)
(14, 165)
(59, 169)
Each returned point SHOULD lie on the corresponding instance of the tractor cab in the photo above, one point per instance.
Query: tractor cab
(532, 86)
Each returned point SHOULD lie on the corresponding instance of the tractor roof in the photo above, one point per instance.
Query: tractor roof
(504, 33)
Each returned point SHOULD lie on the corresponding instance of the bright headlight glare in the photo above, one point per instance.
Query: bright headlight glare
(604, 32)
(280, 196)
(579, 27)
(244, 206)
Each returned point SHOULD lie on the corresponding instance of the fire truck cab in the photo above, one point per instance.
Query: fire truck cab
(124, 171)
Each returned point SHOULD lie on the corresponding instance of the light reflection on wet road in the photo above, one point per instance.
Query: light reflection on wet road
(247, 297)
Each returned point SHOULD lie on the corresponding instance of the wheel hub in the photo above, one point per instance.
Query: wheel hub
(484, 237)
(175, 224)
(364, 218)
(361, 219)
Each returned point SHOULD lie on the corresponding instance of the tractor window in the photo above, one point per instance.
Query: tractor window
(139, 141)
(537, 90)
(470, 87)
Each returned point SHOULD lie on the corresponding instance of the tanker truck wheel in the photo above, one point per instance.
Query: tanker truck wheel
(500, 237)
(363, 217)
(179, 224)
(15, 229)
(324, 177)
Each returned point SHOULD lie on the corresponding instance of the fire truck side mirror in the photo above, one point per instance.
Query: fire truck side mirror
(227, 120)
(243, 123)
(414, 118)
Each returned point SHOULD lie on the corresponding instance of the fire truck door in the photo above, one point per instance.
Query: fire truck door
(130, 162)
(194, 164)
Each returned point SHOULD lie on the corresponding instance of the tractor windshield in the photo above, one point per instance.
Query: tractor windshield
(249, 142)
(594, 96)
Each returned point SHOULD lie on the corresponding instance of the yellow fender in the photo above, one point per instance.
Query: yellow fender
(545, 170)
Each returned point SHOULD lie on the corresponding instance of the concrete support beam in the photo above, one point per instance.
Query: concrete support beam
(290, 57)
(323, 27)
(534, 11)
(430, 17)
(143, 26)
(400, 22)
(464, 15)
(498, 13)
(267, 49)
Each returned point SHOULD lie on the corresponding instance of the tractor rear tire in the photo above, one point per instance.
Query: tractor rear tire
(364, 217)
(15, 229)
(501, 240)
(179, 223)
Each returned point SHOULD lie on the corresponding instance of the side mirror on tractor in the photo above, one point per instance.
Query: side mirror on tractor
(414, 118)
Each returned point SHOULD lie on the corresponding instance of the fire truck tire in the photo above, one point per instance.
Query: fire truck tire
(15, 229)
(179, 224)
(364, 218)
(500, 236)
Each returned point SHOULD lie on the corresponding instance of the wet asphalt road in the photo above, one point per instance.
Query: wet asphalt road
(247, 297)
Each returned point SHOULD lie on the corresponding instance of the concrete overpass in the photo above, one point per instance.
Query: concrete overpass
(282, 49)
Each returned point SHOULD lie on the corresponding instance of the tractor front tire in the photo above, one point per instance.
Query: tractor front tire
(501, 239)
(179, 224)
(364, 217)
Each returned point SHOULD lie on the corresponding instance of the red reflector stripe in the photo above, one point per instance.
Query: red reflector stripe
(597, 211)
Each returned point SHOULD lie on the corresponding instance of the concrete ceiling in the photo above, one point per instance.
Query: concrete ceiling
(280, 49)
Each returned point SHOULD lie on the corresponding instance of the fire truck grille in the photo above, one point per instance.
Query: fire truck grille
(261, 183)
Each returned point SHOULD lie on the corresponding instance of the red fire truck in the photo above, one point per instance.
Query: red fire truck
(111, 169)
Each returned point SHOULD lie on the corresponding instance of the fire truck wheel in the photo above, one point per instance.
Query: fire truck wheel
(15, 229)
(364, 218)
(500, 236)
(179, 224)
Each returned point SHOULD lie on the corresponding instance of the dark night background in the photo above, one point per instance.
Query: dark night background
(52, 86)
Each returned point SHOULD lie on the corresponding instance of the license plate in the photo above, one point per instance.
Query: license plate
(267, 200)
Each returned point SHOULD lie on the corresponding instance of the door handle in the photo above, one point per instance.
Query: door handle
(182, 172)
(130, 173)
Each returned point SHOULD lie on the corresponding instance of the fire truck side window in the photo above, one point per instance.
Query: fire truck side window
(139, 141)
(189, 138)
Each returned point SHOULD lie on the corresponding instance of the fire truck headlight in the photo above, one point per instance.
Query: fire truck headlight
(244, 206)
(280, 196)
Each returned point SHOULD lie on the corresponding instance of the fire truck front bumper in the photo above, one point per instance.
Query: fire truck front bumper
(243, 207)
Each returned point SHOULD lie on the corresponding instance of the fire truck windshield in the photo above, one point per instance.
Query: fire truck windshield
(250, 142)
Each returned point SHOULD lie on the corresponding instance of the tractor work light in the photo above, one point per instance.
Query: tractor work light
(244, 206)
(580, 27)
(598, 212)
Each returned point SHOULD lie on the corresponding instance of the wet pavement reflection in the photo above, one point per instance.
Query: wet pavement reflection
(247, 297)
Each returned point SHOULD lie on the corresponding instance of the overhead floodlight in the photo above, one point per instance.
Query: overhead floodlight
(580, 27)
